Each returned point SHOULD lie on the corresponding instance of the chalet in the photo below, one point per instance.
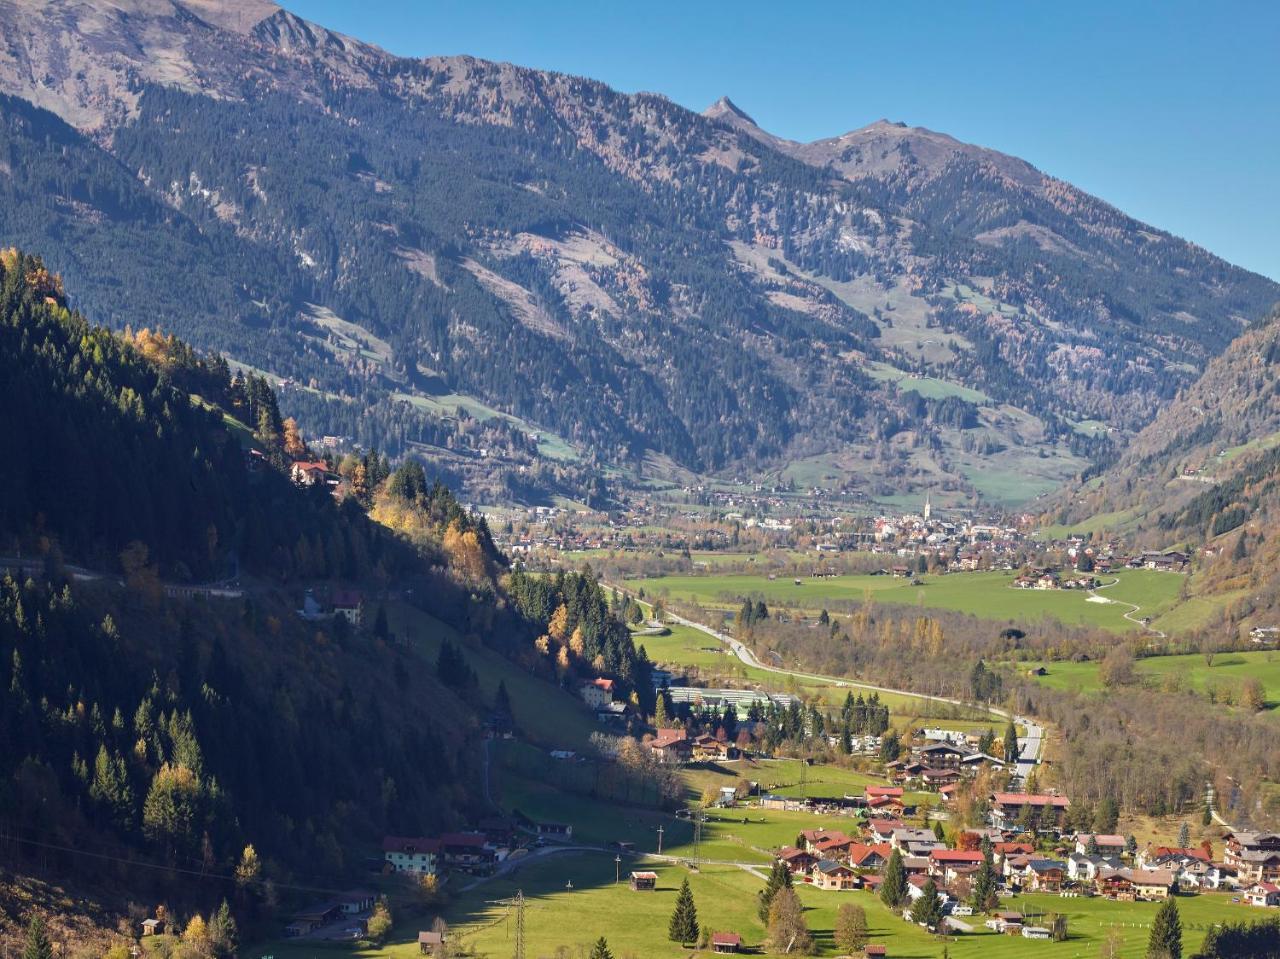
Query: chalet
(948, 792)
(596, 693)
(915, 888)
(1105, 845)
(834, 847)
(1045, 875)
(1189, 866)
(886, 806)
(349, 604)
(312, 474)
(915, 842)
(882, 830)
(1255, 856)
(671, 746)
(725, 942)
(1082, 868)
(972, 763)
(1152, 884)
(866, 857)
(1046, 811)
(1164, 561)
(1266, 894)
(799, 862)
(466, 850)
(877, 792)
(708, 747)
(942, 859)
(644, 881)
(417, 856)
(937, 778)
(915, 865)
(942, 755)
(830, 874)
(430, 942)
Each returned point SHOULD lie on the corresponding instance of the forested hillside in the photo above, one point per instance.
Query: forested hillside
(635, 277)
(174, 731)
(1206, 473)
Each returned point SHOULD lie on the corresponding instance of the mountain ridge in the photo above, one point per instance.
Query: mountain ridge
(618, 247)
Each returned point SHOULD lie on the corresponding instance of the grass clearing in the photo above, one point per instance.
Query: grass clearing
(545, 713)
(989, 595)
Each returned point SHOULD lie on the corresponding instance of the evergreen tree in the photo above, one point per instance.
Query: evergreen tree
(1011, 750)
(683, 927)
(223, 934)
(985, 897)
(1184, 836)
(779, 878)
(38, 945)
(1091, 847)
(927, 910)
(893, 891)
(1165, 941)
(601, 949)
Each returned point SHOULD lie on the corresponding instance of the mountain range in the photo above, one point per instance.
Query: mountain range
(609, 280)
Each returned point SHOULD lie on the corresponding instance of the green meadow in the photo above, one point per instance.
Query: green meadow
(573, 898)
(986, 594)
(1194, 671)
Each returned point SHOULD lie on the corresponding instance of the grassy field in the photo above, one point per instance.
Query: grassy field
(545, 713)
(573, 898)
(1228, 669)
(986, 594)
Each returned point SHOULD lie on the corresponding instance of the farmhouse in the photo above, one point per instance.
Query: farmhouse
(1046, 811)
(1255, 856)
(671, 746)
(596, 693)
(1265, 894)
(869, 857)
(1108, 845)
(799, 862)
(830, 874)
(417, 856)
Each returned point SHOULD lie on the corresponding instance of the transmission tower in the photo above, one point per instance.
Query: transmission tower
(517, 902)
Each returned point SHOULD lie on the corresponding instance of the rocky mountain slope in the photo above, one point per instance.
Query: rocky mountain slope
(643, 283)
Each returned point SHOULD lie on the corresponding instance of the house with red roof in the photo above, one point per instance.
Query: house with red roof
(1265, 894)
(596, 692)
(671, 746)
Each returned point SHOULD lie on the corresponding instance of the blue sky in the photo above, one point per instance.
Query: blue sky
(1170, 111)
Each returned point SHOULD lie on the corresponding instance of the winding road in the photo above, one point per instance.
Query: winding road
(1030, 746)
(1133, 608)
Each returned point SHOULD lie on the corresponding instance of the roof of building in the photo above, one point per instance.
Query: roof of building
(726, 939)
(1030, 799)
(410, 844)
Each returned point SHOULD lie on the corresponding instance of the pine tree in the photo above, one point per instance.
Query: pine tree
(779, 878)
(684, 919)
(1184, 836)
(223, 933)
(985, 897)
(1011, 750)
(927, 910)
(893, 891)
(38, 945)
(601, 949)
(1166, 933)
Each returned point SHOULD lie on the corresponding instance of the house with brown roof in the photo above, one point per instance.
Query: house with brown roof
(799, 862)
(1254, 855)
(672, 745)
(725, 942)
(1046, 811)
(418, 856)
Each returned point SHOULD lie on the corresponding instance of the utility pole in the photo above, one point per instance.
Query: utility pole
(659, 840)
(697, 836)
(519, 953)
(617, 869)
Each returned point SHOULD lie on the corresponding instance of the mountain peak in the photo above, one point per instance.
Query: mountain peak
(726, 109)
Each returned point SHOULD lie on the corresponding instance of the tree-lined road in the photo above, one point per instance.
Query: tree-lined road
(1030, 745)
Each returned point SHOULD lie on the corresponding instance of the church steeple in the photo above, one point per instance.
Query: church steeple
(928, 508)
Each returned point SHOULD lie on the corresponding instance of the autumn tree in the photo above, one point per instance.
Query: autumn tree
(851, 927)
(787, 930)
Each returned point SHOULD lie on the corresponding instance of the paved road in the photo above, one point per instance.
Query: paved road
(1030, 745)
